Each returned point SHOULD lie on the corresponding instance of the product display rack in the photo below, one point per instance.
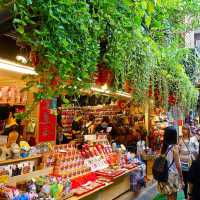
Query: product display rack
(98, 111)
(68, 154)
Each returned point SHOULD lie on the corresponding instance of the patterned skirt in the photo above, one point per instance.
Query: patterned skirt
(171, 186)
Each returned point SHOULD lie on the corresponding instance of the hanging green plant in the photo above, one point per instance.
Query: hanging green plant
(140, 41)
(63, 37)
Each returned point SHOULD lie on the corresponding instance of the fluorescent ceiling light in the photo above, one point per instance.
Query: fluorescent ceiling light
(124, 94)
(11, 66)
(105, 91)
(100, 90)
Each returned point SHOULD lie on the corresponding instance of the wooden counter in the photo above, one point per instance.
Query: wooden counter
(119, 186)
(11, 161)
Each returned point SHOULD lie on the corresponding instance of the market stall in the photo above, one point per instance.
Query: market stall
(97, 170)
(94, 172)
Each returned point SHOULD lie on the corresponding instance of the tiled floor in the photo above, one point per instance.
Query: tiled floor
(147, 193)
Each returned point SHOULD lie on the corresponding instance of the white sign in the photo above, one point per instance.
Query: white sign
(96, 163)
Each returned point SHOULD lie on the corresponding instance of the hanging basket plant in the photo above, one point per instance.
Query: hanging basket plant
(139, 40)
(104, 75)
(65, 42)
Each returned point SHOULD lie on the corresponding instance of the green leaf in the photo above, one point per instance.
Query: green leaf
(148, 21)
(20, 29)
(150, 7)
(28, 2)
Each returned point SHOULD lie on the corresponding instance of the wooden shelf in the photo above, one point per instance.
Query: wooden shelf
(11, 161)
(26, 177)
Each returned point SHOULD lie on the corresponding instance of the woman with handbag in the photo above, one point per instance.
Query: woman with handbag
(188, 148)
(171, 152)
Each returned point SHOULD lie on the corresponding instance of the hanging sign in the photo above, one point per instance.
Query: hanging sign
(47, 121)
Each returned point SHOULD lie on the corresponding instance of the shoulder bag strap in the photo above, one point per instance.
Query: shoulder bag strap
(169, 148)
(191, 157)
(186, 145)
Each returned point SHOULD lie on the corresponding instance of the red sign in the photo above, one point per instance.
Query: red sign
(47, 122)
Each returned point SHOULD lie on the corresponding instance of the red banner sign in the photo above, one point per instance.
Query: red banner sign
(47, 122)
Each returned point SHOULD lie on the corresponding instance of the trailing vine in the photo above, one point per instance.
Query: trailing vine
(141, 41)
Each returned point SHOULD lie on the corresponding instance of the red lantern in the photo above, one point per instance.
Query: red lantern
(150, 90)
(103, 75)
(121, 103)
(157, 92)
(34, 58)
(55, 81)
(172, 99)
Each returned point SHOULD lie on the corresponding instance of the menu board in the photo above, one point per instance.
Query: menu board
(47, 121)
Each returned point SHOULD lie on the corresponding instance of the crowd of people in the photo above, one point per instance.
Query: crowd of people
(181, 150)
(118, 129)
(183, 157)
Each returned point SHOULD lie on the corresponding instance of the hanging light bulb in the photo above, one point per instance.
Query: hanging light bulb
(22, 57)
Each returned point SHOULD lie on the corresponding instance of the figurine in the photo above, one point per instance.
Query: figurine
(24, 149)
(15, 151)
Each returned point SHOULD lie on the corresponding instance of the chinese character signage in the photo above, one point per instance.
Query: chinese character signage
(47, 121)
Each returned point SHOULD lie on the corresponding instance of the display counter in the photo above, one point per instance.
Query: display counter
(70, 173)
(119, 186)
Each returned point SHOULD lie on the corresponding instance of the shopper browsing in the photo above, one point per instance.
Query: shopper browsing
(171, 181)
(194, 180)
(7, 113)
(90, 125)
(140, 144)
(188, 147)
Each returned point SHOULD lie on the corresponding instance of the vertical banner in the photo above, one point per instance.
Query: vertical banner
(47, 120)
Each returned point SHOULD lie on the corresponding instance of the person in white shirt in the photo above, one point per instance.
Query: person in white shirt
(188, 148)
(140, 144)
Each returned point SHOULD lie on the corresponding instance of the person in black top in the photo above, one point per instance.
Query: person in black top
(11, 126)
(194, 180)
(90, 125)
(105, 123)
(59, 128)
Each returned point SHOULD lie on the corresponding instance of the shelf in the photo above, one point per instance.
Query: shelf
(11, 161)
(26, 177)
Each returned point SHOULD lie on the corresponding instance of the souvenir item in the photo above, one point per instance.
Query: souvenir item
(15, 151)
(24, 149)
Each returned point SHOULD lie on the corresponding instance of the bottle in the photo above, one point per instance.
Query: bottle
(68, 185)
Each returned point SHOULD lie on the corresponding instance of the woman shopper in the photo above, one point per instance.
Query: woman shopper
(188, 147)
(194, 180)
(175, 178)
